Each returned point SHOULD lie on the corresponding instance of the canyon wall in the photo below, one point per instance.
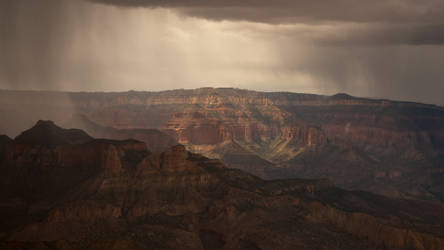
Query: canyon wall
(388, 147)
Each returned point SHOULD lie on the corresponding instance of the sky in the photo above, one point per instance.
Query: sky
(382, 48)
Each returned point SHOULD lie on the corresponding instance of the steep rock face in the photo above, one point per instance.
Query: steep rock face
(40, 172)
(176, 199)
(210, 116)
(392, 148)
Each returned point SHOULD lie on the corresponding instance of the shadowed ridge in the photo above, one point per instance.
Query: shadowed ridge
(342, 96)
(105, 192)
(47, 133)
(4, 139)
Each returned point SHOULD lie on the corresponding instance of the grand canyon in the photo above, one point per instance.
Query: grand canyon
(63, 189)
(220, 125)
(387, 147)
(219, 168)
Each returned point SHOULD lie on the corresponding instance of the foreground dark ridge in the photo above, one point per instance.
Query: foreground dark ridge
(108, 194)
(382, 146)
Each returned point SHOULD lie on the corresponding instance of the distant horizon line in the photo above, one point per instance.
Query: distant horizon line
(220, 88)
(185, 89)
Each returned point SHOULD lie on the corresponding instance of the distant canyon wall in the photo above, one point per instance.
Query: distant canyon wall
(389, 147)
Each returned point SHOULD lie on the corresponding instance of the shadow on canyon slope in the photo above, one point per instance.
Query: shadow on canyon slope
(78, 192)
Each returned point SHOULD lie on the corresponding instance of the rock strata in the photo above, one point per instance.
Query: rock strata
(387, 147)
(108, 194)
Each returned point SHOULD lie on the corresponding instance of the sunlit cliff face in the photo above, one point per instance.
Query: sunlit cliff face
(391, 50)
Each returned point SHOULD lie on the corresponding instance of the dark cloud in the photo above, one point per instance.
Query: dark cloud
(287, 11)
(382, 35)
(379, 22)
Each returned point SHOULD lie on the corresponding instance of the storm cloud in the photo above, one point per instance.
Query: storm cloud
(392, 49)
(286, 11)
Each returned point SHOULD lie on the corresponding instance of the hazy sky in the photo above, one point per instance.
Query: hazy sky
(379, 48)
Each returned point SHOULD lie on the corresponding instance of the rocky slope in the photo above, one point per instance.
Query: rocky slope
(105, 194)
(387, 147)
